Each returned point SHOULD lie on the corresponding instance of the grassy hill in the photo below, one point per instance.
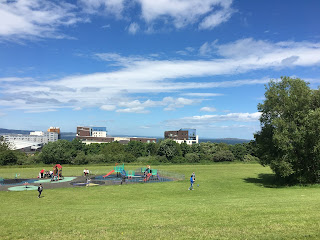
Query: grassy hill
(233, 201)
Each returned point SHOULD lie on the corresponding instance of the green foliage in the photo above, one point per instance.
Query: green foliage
(223, 156)
(250, 158)
(57, 152)
(239, 151)
(165, 151)
(192, 158)
(289, 139)
(8, 157)
(137, 149)
(80, 159)
(169, 149)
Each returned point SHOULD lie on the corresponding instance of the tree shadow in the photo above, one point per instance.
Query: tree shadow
(267, 181)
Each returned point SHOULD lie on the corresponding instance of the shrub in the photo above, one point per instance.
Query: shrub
(222, 156)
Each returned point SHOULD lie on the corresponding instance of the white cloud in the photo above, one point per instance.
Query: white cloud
(133, 110)
(183, 13)
(77, 109)
(106, 7)
(203, 94)
(15, 79)
(208, 109)
(216, 18)
(133, 28)
(138, 74)
(108, 107)
(35, 18)
(169, 104)
(208, 120)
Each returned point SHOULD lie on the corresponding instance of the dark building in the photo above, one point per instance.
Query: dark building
(188, 136)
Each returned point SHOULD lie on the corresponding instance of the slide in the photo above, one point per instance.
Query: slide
(108, 174)
(148, 176)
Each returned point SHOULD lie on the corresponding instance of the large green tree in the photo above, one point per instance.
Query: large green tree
(289, 140)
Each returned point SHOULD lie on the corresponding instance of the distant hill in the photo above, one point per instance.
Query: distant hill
(4, 131)
(231, 141)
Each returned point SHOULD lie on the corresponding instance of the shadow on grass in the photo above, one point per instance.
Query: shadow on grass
(267, 180)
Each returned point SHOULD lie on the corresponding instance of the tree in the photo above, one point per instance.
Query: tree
(8, 157)
(58, 152)
(289, 140)
(223, 156)
(239, 151)
(169, 149)
(137, 149)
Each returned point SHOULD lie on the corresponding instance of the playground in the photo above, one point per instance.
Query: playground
(117, 176)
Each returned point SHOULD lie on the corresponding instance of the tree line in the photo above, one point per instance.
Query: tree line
(164, 151)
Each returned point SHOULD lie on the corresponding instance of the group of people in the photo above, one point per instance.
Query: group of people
(45, 174)
(192, 180)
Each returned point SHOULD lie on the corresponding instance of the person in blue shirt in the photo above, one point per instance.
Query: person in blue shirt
(191, 182)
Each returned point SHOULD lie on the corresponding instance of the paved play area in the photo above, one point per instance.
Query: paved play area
(117, 176)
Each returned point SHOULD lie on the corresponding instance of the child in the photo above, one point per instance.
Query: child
(191, 182)
(40, 188)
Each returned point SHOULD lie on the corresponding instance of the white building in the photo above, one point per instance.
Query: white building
(36, 137)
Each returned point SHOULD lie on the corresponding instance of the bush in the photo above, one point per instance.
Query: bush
(80, 159)
(222, 156)
(192, 158)
(8, 157)
(96, 158)
(250, 158)
(179, 159)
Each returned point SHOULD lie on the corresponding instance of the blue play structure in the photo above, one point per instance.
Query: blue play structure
(142, 175)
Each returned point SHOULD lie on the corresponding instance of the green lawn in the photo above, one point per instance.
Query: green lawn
(233, 201)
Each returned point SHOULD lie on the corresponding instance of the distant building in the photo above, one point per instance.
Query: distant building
(32, 142)
(188, 136)
(90, 135)
(38, 137)
(54, 129)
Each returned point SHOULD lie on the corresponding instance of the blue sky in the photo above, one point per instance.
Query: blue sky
(142, 67)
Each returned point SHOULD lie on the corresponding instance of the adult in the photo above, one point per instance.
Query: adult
(40, 188)
(41, 173)
(85, 172)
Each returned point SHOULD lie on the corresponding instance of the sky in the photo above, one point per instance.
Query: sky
(142, 67)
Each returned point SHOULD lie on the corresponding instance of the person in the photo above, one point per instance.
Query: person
(191, 182)
(41, 172)
(40, 188)
(123, 178)
(194, 176)
(85, 172)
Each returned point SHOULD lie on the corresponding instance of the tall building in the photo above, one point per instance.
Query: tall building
(184, 135)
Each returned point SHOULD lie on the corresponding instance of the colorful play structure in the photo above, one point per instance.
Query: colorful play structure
(144, 174)
(57, 173)
(117, 169)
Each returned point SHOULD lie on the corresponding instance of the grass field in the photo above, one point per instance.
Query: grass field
(233, 201)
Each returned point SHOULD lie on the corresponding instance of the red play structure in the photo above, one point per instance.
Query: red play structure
(57, 172)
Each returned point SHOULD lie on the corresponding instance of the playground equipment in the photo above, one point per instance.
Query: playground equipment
(149, 173)
(117, 169)
(57, 173)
